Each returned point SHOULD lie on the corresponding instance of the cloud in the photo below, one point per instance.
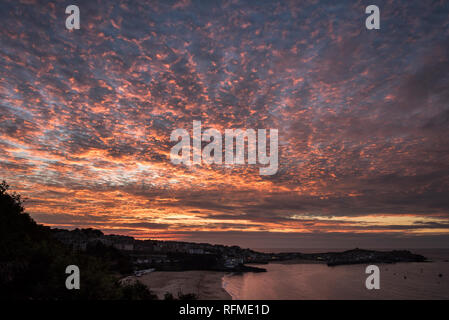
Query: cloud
(86, 116)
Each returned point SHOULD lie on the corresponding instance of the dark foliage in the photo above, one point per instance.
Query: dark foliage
(196, 261)
(33, 263)
(187, 296)
(168, 296)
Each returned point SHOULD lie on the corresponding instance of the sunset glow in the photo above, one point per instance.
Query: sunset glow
(362, 116)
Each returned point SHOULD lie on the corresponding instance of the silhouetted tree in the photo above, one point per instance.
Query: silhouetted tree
(32, 262)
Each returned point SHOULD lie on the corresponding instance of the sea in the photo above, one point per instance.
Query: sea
(420, 281)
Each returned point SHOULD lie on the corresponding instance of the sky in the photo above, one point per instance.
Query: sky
(362, 115)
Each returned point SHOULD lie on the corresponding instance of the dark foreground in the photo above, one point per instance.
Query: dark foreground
(33, 258)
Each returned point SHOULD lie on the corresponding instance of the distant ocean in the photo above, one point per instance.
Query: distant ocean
(318, 281)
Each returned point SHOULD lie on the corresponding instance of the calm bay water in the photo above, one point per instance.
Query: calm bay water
(318, 281)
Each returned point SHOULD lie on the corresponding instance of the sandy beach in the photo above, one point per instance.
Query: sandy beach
(207, 285)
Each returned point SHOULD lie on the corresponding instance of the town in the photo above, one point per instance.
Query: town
(149, 255)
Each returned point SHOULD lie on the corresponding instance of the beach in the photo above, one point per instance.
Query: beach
(207, 285)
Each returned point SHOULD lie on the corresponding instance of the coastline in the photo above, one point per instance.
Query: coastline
(213, 285)
(206, 285)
